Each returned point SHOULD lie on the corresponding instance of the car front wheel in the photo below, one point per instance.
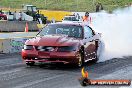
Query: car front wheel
(80, 59)
(30, 63)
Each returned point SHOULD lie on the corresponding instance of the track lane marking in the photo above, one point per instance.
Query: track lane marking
(38, 81)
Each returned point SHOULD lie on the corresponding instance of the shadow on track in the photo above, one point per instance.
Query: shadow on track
(59, 66)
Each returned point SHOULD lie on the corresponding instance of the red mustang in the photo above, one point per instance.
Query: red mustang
(68, 43)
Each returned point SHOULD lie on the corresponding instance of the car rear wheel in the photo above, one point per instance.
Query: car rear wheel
(99, 50)
(96, 58)
(30, 63)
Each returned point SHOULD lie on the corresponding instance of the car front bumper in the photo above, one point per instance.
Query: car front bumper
(50, 57)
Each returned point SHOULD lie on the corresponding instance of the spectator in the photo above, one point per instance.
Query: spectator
(14, 16)
(1, 11)
(99, 7)
(37, 17)
(20, 16)
(10, 12)
(77, 16)
(53, 20)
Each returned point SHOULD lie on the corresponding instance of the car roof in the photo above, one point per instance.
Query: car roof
(69, 23)
(69, 16)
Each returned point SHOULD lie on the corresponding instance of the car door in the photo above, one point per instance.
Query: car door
(89, 44)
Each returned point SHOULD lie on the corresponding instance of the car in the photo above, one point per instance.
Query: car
(71, 18)
(3, 17)
(67, 43)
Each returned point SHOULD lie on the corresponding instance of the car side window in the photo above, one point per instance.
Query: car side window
(87, 32)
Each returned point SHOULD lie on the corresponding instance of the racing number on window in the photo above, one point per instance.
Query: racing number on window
(87, 32)
(89, 45)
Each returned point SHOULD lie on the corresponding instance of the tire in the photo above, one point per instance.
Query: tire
(80, 59)
(96, 58)
(30, 63)
(99, 51)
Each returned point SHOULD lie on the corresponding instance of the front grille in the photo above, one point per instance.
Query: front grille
(45, 48)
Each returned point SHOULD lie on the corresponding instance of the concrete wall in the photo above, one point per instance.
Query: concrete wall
(12, 45)
(17, 26)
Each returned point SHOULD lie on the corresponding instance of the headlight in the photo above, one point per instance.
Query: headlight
(28, 47)
(66, 48)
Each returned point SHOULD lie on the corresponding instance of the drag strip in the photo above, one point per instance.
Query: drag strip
(15, 74)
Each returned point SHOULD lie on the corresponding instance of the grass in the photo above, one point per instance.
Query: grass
(67, 5)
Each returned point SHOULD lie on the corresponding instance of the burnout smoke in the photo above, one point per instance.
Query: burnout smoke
(116, 29)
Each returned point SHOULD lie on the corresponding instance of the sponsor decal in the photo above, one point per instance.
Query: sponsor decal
(86, 81)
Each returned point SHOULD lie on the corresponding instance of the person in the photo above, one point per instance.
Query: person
(20, 16)
(1, 11)
(99, 7)
(10, 12)
(37, 17)
(87, 19)
(77, 16)
(14, 16)
(53, 20)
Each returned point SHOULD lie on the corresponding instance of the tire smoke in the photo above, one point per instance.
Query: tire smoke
(116, 29)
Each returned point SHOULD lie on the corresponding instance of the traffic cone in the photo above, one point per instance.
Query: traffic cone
(26, 28)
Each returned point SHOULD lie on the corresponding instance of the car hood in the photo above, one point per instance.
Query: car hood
(52, 40)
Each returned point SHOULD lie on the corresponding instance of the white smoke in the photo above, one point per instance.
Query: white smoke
(116, 29)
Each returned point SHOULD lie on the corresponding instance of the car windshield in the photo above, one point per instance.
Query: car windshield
(70, 19)
(65, 29)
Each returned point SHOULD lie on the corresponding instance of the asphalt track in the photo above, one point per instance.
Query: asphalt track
(15, 74)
